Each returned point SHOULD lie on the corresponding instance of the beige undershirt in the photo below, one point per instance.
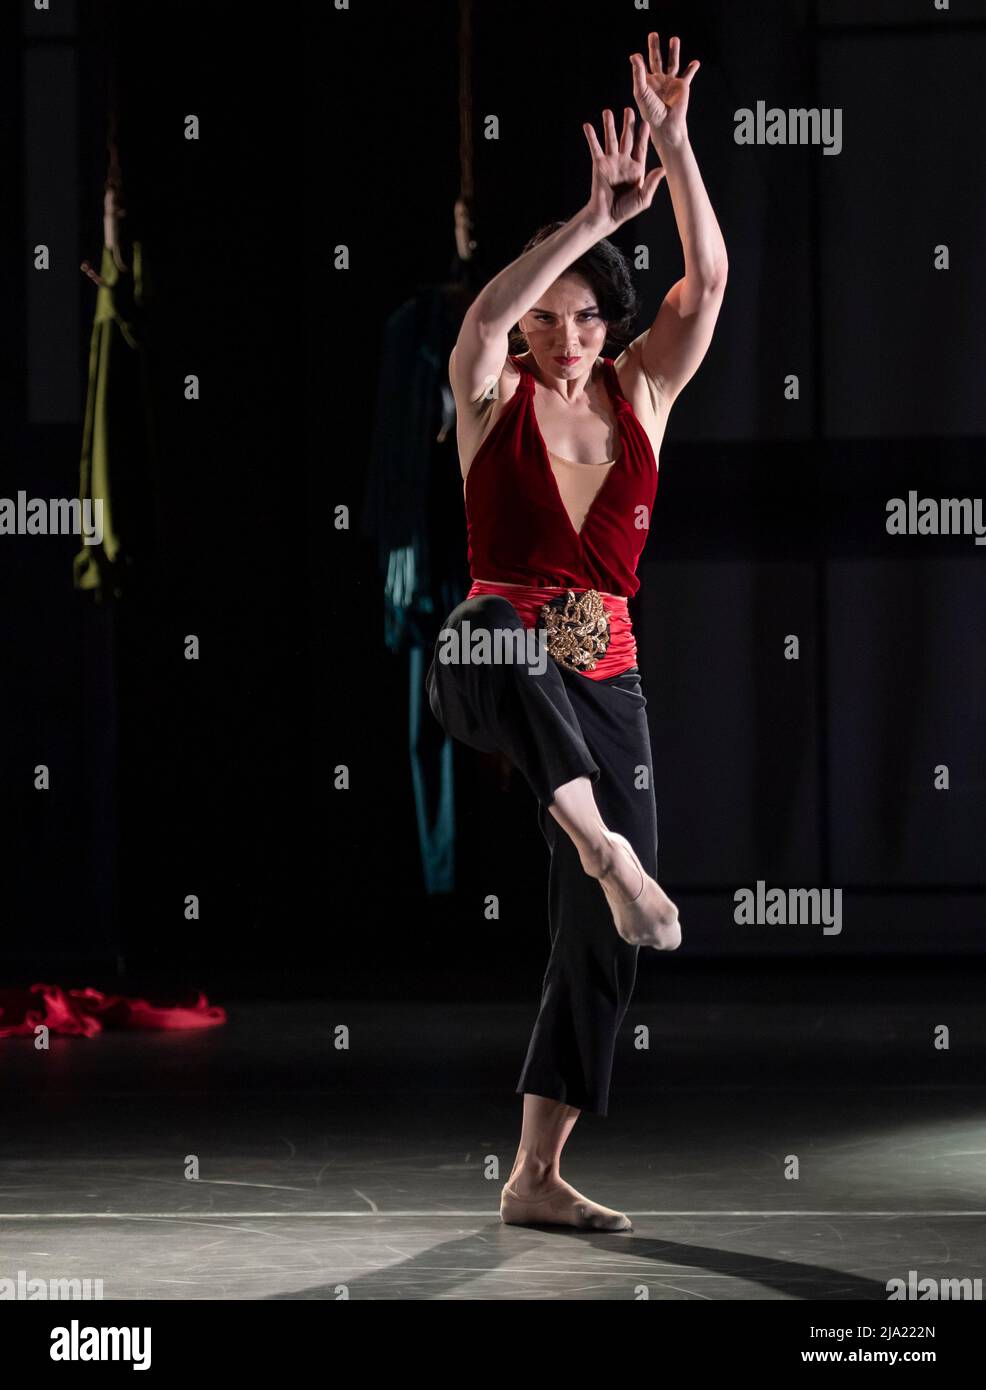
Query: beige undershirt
(578, 484)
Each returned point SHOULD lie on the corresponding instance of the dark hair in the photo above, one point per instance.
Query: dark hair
(607, 270)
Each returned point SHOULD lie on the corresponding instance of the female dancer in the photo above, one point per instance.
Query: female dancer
(554, 540)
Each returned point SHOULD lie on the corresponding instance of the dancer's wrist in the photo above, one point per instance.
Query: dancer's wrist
(595, 222)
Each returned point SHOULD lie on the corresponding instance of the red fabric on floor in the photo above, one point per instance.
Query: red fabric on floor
(88, 1012)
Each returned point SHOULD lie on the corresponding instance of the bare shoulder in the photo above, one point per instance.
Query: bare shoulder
(475, 418)
(649, 404)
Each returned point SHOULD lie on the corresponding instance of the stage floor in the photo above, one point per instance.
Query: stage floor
(374, 1172)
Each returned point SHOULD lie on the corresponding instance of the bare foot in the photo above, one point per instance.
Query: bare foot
(643, 912)
(556, 1203)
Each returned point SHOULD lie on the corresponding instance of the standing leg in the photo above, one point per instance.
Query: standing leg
(591, 971)
(535, 1193)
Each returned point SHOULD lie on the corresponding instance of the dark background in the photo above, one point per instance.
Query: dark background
(324, 128)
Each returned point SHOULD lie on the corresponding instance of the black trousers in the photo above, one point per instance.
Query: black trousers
(554, 726)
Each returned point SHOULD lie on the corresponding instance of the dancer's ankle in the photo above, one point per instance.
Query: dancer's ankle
(533, 1175)
(598, 855)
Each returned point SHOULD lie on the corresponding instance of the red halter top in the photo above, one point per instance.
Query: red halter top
(521, 535)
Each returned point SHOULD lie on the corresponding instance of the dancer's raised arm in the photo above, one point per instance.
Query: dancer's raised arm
(671, 350)
(621, 188)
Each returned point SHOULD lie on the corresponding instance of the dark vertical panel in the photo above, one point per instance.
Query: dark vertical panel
(899, 333)
(732, 722)
(907, 691)
(51, 197)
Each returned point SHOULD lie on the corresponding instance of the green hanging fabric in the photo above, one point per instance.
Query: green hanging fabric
(116, 439)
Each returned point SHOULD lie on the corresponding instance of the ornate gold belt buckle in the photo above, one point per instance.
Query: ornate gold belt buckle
(577, 628)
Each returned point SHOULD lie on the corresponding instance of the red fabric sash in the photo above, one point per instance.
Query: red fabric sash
(87, 1012)
(621, 653)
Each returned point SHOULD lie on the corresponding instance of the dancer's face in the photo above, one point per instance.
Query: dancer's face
(565, 323)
